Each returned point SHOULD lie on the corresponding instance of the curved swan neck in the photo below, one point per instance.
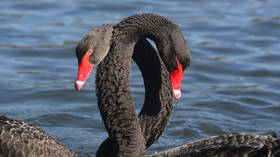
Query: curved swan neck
(112, 79)
(151, 26)
(113, 91)
(158, 96)
(158, 29)
(116, 104)
(157, 108)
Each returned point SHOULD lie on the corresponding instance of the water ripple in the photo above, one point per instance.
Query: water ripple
(232, 84)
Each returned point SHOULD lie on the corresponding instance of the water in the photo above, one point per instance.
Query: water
(231, 86)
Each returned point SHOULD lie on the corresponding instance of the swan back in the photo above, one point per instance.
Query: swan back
(18, 138)
(228, 145)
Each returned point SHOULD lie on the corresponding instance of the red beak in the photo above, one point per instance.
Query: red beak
(84, 70)
(176, 77)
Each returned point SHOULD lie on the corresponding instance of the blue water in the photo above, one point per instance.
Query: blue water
(232, 84)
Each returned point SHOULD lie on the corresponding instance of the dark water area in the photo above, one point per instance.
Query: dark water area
(232, 84)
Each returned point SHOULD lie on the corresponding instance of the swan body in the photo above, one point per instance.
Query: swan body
(19, 139)
(227, 145)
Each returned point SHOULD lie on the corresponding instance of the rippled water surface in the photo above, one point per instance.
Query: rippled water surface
(232, 84)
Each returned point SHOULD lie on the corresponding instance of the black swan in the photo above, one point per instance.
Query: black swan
(116, 105)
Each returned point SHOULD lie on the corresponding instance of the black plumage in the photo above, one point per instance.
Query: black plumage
(112, 78)
(19, 139)
(158, 104)
(228, 145)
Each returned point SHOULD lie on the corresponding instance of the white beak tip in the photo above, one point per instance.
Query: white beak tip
(79, 84)
(177, 93)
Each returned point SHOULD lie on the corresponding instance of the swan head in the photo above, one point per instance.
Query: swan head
(176, 56)
(91, 50)
(183, 58)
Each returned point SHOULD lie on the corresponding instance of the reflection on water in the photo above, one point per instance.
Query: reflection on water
(231, 86)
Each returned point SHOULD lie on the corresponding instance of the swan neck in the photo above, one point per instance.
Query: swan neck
(115, 102)
(154, 27)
